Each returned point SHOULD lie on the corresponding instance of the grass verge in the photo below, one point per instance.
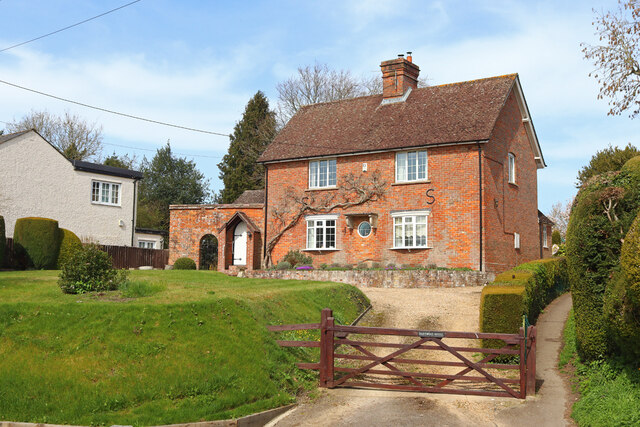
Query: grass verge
(172, 347)
(609, 390)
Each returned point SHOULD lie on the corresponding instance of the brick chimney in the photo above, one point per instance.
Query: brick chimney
(398, 75)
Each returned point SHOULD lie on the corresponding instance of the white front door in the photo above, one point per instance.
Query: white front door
(240, 244)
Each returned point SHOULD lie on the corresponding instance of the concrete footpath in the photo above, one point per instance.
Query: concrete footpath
(355, 407)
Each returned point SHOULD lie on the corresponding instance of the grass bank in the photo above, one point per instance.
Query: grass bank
(609, 390)
(175, 346)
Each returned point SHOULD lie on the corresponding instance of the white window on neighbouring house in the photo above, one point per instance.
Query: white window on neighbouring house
(410, 230)
(411, 166)
(321, 232)
(147, 244)
(512, 168)
(105, 193)
(544, 237)
(322, 173)
(516, 240)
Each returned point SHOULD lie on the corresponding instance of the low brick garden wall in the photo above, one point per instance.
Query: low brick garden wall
(383, 278)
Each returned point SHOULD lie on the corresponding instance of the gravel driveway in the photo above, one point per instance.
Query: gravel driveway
(453, 309)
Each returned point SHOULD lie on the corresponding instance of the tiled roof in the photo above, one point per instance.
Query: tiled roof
(250, 196)
(451, 113)
(543, 219)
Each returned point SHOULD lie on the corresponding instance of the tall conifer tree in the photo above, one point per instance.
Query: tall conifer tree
(251, 135)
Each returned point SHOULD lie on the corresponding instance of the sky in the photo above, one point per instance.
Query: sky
(197, 64)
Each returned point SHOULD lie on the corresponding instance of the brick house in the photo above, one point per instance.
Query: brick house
(457, 163)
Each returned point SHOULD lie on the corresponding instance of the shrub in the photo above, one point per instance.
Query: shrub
(90, 269)
(593, 246)
(283, 265)
(184, 263)
(324, 266)
(3, 242)
(556, 237)
(38, 239)
(69, 244)
(297, 258)
(501, 309)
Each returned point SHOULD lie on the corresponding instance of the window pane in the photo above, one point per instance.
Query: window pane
(421, 234)
(311, 235)
(313, 174)
(421, 219)
(397, 231)
(115, 190)
(411, 166)
(401, 165)
(319, 236)
(105, 193)
(331, 234)
(422, 165)
(408, 233)
(332, 172)
(323, 173)
(95, 191)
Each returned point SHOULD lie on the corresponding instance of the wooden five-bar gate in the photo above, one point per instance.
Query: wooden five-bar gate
(350, 358)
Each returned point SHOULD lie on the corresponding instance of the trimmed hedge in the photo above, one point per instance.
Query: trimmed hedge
(39, 240)
(593, 247)
(69, 244)
(526, 289)
(184, 263)
(3, 242)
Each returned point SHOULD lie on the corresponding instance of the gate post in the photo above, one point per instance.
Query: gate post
(523, 368)
(325, 344)
(531, 360)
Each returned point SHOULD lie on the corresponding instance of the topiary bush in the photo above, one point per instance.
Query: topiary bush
(88, 270)
(556, 237)
(501, 309)
(297, 258)
(593, 245)
(184, 263)
(38, 239)
(3, 242)
(69, 244)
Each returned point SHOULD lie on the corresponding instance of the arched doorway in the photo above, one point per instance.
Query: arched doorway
(240, 244)
(208, 252)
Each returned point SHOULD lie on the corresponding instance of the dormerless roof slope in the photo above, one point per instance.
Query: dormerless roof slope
(451, 113)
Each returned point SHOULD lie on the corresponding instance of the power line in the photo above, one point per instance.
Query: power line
(149, 149)
(70, 26)
(112, 111)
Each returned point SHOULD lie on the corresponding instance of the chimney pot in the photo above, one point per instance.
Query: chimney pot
(398, 75)
(409, 57)
(400, 55)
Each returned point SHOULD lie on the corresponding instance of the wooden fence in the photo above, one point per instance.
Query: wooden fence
(123, 256)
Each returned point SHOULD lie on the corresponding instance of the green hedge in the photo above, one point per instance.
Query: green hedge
(69, 244)
(39, 240)
(526, 289)
(3, 242)
(593, 246)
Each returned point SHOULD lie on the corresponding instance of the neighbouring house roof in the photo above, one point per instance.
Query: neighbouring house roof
(79, 164)
(250, 196)
(446, 114)
(543, 219)
(141, 230)
(236, 217)
(105, 170)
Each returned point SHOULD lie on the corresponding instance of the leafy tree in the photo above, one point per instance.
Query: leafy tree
(607, 160)
(238, 169)
(169, 180)
(124, 161)
(72, 135)
(616, 61)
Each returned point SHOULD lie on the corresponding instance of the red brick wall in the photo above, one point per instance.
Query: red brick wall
(188, 224)
(509, 208)
(453, 225)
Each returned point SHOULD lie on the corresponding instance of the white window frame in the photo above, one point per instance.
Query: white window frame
(146, 244)
(544, 237)
(419, 177)
(370, 229)
(109, 187)
(323, 165)
(516, 240)
(512, 168)
(323, 219)
(414, 223)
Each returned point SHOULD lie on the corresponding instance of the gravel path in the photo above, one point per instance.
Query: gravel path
(440, 309)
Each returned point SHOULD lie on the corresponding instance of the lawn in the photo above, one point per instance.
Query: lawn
(173, 347)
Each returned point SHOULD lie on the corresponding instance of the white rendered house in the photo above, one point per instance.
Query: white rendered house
(96, 202)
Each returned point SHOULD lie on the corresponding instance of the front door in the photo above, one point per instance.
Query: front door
(240, 244)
